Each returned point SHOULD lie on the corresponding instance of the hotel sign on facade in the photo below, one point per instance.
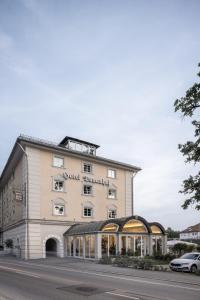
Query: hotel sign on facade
(101, 181)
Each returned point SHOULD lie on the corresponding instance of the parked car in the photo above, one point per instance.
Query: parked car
(189, 262)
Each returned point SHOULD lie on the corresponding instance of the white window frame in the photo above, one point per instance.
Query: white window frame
(111, 210)
(87, 164)
(91, 187)
(115, 193)
(59, 180)
(57, 214)
(88, 207)
(58, 157)
(110, 172)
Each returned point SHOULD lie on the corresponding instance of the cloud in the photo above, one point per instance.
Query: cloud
(6, 42)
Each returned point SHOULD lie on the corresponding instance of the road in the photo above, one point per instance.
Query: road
(74, 279)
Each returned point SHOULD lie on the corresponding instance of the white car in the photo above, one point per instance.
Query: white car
(188, 262)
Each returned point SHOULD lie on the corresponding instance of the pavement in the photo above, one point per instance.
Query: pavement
(69, 278)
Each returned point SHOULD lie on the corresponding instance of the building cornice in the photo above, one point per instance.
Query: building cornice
(51, 146)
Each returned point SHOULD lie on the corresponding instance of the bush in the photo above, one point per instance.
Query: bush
(9, 243)
(198, 248)
(105, 260)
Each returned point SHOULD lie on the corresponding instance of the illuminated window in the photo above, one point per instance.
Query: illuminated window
(134, 226)
(110, 227)
(155, 229)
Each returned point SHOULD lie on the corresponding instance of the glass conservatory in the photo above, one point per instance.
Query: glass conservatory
(133, 236)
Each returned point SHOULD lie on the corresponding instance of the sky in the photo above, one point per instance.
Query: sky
(108, 72)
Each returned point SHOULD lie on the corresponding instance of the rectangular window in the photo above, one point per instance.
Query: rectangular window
(87, 212)
(58, 162)
(112, 213)
(87, 168)
(112, 194)
(87, 190)
(111, 173)
(59, 210)
(58, 185)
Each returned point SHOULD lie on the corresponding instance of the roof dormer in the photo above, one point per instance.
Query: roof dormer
(74, 144)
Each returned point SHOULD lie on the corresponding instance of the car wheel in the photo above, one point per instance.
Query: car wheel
(193, 269)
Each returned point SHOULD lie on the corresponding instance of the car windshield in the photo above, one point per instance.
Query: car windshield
(190, 256)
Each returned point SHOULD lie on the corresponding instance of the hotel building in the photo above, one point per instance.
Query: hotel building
(63, 199)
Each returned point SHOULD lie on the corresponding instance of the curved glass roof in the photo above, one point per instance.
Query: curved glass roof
(133, 224)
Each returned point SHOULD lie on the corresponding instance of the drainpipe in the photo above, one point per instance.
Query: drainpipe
(133, 176)
(27, 202)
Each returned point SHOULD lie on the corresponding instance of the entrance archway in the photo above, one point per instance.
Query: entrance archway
(51, 247)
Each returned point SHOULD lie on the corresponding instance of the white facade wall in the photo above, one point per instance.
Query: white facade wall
(190, 235)
(34, 183)
(18, 235)
(129, 194)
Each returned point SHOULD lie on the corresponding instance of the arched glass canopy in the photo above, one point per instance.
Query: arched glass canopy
(134, 225)
(110, 227)
(155, 229)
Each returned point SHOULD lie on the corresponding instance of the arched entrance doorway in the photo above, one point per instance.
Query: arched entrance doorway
(51, 247)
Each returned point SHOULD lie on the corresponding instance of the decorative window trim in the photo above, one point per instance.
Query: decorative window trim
(58, 179)
(92, 212)
(92, 190)
(115, 172)
(115, 196)
(87, 163)
(59, 201)
(61, 157)
(90, 205)
(112, 210)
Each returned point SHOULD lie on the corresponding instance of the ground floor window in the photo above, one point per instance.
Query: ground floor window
(108, 245)
(90, 246)
(157, 244)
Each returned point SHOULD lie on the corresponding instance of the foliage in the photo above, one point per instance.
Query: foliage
(172, 234)
(179, 249)
(198, 248)
(164, 257)
(9, 243)
(145, 263)
(189, 106)
(106, 260)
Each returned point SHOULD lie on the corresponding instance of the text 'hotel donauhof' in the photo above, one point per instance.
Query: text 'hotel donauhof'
(64, 200)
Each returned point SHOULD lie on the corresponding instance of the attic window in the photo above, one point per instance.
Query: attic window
(80, 147)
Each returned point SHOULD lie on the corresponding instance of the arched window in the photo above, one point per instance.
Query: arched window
(134, 226)
(88, 209)
(110, 227)
(59, 207)
(155, 229)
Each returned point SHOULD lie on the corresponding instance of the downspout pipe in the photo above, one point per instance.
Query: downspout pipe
(133, 176)
(27, 201)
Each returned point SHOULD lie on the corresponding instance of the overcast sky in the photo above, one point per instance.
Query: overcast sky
(107, 72)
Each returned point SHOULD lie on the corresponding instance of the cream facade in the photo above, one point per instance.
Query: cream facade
(46, 188)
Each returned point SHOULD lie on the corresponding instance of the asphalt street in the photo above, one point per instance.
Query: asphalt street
(75, 279)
